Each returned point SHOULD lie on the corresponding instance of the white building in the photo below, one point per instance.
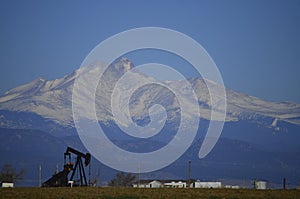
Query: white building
(174, 184)
(199, 184)
(159, 184)
(7, 185)
(231, 186)
(147, 184)
(258, 184)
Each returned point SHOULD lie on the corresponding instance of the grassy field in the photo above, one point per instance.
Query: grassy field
(128, 193)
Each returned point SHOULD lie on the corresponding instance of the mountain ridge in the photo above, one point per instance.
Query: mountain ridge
(52, 99)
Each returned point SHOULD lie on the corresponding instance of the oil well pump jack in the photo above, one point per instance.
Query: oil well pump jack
(60, 179)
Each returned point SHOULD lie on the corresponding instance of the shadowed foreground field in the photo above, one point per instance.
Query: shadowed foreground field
(128, 193)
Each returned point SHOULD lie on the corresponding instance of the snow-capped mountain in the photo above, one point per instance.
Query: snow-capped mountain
(52, 100)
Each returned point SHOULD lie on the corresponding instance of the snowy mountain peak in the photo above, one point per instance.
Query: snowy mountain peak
(24, 90)
(52, 100)
(123, 64)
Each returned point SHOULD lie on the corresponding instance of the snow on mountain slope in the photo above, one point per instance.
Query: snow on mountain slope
(53, 99)
(249, 107)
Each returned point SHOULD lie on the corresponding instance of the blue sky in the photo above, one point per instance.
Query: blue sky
(255, 44)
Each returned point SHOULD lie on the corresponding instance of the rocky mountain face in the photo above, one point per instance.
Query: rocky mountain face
(256, 132)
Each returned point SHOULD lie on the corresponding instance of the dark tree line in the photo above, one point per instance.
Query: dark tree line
(9, 174)
(122, 180)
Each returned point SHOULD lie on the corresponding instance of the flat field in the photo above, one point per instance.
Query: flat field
(128, 193)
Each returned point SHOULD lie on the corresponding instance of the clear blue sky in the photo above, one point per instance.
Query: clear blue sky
(256, 44)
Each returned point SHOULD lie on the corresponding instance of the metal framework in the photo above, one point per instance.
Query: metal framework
(61, 178)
